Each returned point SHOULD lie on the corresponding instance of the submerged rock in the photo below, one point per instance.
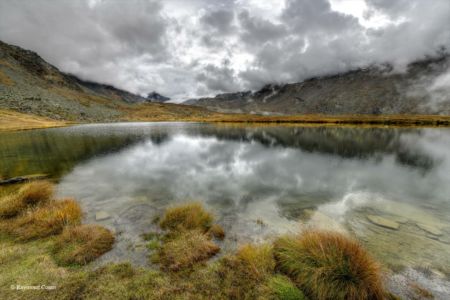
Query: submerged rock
(398, 219)
(101, 215)
(444, 239)
(429, 229)
(383, 222)
(319, 220)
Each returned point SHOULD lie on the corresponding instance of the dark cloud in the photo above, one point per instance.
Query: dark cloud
(220, 21)
(256, 30)
(193, 48)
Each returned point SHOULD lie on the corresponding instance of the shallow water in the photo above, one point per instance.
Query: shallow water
(259, 181)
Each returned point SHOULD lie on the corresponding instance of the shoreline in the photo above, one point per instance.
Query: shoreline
(15, 121)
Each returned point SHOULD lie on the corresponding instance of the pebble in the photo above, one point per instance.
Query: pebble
(101, 215)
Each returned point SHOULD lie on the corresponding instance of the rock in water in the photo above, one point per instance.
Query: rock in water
(101, 215)
(380, 221)
(430, 229)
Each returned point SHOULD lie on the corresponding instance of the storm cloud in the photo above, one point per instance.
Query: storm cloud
(195, 48)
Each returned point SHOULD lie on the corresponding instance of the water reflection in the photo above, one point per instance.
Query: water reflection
(260, 181)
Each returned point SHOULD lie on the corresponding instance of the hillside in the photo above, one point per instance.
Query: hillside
(374, 90)
(28, 84)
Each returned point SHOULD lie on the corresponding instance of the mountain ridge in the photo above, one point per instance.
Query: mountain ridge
(29, 84)
(372, 90)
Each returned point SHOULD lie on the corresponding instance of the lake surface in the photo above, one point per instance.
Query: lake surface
(259, 181)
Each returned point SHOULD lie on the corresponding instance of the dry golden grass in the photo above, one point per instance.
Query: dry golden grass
(421, 292)
(44, 220)
(79, 245)
(257, 261)
(36, 192)
(217, 232)
(329, 265)
(173, 112)
(187, 216)
(185, 250)
(245, 274)
(10, 120)
(333, 120)
(30, 194)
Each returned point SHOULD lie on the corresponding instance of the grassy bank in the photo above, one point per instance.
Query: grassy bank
(156, 112)
(358, 120)
(11, 120)
(311, 265)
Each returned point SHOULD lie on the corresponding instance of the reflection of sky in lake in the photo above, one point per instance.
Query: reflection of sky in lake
(187, 166)
(278, 176)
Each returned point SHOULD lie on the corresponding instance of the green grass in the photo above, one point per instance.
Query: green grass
(284, 289)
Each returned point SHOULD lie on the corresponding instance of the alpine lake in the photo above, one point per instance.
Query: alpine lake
(387, 187)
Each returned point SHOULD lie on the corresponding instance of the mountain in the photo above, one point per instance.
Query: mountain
(155, 97)
(374, 90)
(29, 84)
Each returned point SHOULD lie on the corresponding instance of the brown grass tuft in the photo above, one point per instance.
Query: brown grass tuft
(31, 194)
(45, 220)
(420, 291)
(329, 265)
(257, 261)
(79, 245)
(217, 232)
(186, 249)
(36, 192)
(187, 217)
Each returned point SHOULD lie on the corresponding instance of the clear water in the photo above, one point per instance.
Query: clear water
(260, 181)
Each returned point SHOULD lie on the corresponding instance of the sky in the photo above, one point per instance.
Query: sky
(193, 48)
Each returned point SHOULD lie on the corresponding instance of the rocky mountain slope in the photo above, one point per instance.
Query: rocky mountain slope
(155, 97)
(375, 90)
(29, 84)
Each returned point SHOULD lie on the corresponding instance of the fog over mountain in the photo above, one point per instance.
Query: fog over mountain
(196, 48)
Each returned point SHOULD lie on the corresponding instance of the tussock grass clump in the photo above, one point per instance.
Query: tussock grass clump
(255, 261)
(284, 289)
(31, 194)
(45, 220)
(10, 206)
(185, 250)
(329, 265)
(79, 245)
(245, 274)
(188, 216)
(217, 232)
(36, 192)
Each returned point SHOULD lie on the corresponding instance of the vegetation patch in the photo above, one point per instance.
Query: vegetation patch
(217, 232)
(30, 194)
(79, 245)
(284, 289)
(328, 265)
(45, 220)
(186, 249)
(188, 216)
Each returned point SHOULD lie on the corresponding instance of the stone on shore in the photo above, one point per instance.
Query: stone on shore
(101, 215)
(430, 229)
(383, 222)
